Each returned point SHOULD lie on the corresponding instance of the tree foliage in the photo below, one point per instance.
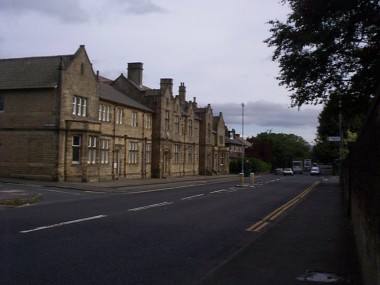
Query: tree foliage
(251, 164)
(278, 149)
(327, 48)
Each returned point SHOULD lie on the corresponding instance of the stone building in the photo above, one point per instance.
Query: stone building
(236, 144)
(61, 121)
(188, 140)
(214, 156)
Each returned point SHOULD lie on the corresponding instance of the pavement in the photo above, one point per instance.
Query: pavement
(312, 244)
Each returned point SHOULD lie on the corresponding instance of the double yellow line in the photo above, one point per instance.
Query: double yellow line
(259, 226)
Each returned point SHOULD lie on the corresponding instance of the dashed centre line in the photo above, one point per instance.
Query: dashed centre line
(150, 206)
(192, 197)
(62, 224)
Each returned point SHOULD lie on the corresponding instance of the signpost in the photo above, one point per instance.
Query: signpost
(333, 139)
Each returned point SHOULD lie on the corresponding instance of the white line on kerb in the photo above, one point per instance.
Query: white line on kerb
(64, 223)
(150, 206)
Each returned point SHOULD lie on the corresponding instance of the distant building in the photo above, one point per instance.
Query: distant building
(236, 144)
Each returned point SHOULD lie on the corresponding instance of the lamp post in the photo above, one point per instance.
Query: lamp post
(242, 138)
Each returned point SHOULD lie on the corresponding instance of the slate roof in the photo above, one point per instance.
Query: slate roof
(31, 72)
(107, 92)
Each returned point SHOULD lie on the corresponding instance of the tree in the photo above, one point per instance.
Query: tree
(278, 149)
(330, 51)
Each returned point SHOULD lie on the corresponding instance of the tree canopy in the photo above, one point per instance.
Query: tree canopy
(327, 48)
(278, 149)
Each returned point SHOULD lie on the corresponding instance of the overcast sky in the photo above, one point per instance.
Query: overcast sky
(214, 46)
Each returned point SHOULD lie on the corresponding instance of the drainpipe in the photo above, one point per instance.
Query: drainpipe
(143, 158)
(113, 143)
(184, 146)
(125, 156)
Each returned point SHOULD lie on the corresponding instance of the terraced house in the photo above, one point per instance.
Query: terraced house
(61, 121)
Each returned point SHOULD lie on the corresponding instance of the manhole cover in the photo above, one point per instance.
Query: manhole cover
(322, 277)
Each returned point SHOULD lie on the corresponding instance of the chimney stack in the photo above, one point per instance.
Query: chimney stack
(167, 83)
(182, 92)
(135, 72)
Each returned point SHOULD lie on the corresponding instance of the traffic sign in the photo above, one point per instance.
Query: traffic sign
(334, 139)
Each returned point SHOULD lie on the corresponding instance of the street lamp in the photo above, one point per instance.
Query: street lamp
(242, 138)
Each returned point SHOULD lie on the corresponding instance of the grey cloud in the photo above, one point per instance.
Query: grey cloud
(139, 7)
(266, 114)
(68, 11)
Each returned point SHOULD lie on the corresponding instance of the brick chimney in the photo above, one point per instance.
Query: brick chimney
(135, 72)
(167, 83)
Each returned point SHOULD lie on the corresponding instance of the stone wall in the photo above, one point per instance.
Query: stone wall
(362, 193)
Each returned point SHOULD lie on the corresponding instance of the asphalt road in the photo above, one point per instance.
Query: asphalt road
(172, 234)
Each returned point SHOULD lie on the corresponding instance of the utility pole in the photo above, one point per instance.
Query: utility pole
(242, 138)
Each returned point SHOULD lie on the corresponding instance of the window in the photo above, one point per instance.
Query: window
(1, 103)
(119, 116)
(222, 159)
(148, 152)
(133, 152)
(190, 154)
(148, 122)
(190, 128)
(104, 151)
(91, 150)
(79, 106)
(134, 119)
(166, 126)
(209, 132)
(76, 149)
(176, 153)
(176, 122)
(104, 113)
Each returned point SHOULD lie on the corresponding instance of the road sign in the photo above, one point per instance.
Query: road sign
(334, 139)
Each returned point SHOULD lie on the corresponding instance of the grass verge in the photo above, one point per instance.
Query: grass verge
(17, 202)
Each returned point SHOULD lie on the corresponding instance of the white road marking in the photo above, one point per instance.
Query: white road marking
(150, 206)
(64, 223)
(220, 191)
(65, 192)
(191, 197)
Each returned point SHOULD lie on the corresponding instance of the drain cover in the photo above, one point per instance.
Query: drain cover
(311, 276)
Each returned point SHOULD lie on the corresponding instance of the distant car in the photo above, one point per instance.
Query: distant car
(279, 171)
(288, 171)
(315, 171)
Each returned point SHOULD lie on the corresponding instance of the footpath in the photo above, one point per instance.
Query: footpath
(311, 244)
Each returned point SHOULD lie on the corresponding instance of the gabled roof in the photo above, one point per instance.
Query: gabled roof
(107, 92)
(139, 87)
(237, 141)
(134, 84)
(31, 72)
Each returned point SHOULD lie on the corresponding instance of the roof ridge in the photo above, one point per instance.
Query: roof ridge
(38, 57)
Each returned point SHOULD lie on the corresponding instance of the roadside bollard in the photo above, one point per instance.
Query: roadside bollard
(241, 175)
(252, 178)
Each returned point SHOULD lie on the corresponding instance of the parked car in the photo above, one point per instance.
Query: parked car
(315, 171)
(279, 171)
(288, 171)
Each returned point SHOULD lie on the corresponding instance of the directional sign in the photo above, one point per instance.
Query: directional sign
(334, 139)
